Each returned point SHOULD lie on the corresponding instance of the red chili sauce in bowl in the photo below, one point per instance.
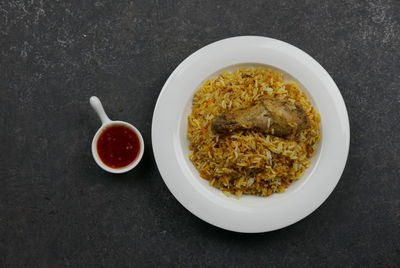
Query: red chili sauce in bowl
(118, 146)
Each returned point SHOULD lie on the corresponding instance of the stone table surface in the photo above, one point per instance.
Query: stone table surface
(58, 209)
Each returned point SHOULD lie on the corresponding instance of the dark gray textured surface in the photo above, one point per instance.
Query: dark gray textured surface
(59, 209)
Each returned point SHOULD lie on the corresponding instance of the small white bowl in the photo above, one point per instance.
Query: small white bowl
(106, 123)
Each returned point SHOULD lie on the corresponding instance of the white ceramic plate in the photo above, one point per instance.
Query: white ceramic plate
(249, 214)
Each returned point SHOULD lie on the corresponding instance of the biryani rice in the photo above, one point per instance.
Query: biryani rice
(249, 162)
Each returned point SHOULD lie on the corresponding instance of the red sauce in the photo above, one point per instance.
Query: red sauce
(118, 146)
